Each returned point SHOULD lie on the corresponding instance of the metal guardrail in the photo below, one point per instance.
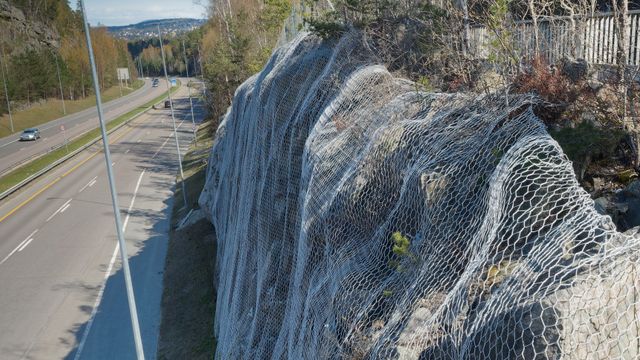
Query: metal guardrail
(33, 157)
(32, 177)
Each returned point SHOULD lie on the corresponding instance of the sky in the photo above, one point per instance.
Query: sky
(125, 12)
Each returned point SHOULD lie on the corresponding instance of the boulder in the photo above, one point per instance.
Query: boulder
(598, 184)
(575, 69)
(601, 204)
(632, 190)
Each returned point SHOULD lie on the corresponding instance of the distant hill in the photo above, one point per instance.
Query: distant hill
(149, 28)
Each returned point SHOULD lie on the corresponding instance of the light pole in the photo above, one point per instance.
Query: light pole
(186, 65)
(118, 74)
(6, 91)
(133, 313)
(64, 109)
(204, 85)
(141, 70)
(173, 118)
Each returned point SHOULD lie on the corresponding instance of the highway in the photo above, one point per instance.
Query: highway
(13, 151)
(61, 286)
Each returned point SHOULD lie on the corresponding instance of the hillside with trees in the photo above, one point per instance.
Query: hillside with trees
(41, 39)
(179, 50)
(237, 41)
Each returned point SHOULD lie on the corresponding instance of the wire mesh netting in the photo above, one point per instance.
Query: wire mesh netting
(359, 217)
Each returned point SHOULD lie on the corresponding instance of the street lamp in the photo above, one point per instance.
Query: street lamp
(173, 118)
(133, 313)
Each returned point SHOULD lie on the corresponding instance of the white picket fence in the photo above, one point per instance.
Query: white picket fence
(592, 38)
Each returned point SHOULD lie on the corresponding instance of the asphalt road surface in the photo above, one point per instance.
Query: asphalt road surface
(62, 292)
(13, 151)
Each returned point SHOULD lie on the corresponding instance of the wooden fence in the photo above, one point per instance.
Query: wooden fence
(592, 38)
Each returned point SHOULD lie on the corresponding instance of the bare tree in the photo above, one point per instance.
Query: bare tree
(578, 12)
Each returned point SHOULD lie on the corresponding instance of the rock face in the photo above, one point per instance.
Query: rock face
(360, 218)
(622, 206)
(29, 35)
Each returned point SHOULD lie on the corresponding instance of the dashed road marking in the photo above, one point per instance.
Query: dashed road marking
(64, 208)
(89, 184)
(25, 244)
(60, 209)
(20, 246)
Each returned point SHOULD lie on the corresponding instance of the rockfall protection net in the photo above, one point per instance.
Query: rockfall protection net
(359, 217)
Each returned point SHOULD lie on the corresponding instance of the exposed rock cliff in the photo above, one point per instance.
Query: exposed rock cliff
(359, 217)
(23, 34)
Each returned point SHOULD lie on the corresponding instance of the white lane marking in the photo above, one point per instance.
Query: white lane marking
(96, 304)
(52, 215)
(126, 151)
(135, 193)
(65, 204)
(89, 184)
(9, 143)
(165, 142)
(58, 211)
(25, 244)
(162, 146)
(64, 208)
(19, 246)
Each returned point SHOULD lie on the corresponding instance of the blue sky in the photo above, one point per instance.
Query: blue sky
(124, 12)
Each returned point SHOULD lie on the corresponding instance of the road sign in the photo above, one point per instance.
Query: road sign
(123, 73)
(66, 140)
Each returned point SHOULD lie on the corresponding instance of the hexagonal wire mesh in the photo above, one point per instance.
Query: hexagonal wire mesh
(359, 217)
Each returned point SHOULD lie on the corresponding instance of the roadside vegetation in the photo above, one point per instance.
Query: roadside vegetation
(188, 298)
(236, 43)
(52, 109)
(591, 109)
(21, 173)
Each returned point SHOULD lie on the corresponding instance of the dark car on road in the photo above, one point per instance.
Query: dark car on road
(30, 134)
(167, 104)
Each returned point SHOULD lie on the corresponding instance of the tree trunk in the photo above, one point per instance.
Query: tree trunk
(623, 25)
(534, 18)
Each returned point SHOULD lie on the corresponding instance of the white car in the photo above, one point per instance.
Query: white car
(31, 134)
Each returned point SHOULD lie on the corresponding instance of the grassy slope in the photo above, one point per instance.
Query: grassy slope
(188, 298)
(52, 109)
(14, 177)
